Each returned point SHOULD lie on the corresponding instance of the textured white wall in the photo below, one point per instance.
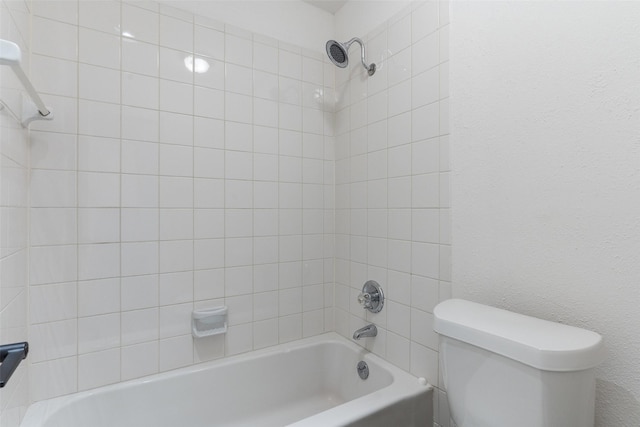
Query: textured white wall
(546, 161)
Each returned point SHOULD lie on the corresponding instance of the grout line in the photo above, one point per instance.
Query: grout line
(119, 207)
(193, 192)
(157, 175)
(77, 194)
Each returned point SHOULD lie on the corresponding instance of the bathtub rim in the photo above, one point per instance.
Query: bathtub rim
(404, 385)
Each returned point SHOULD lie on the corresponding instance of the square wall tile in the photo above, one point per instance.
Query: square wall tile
(176, 33)
(98, 48)
(98, 369)
(209, 42)
(53, 38)
(139, 23)
(139, 57)
(139, 157)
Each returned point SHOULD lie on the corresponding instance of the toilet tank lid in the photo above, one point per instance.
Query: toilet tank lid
(539, 343)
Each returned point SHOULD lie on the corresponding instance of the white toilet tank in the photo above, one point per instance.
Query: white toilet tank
(503, 369)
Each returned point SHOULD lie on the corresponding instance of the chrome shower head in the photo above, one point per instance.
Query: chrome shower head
(337, 53)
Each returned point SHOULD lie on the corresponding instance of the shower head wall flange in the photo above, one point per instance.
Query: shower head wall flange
(338, 54)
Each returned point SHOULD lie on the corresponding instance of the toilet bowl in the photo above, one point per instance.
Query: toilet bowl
(503, 369)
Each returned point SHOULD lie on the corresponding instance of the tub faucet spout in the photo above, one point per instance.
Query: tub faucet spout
(366, 331)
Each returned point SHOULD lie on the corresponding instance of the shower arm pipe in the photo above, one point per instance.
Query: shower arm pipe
(11, 55)
(362, 53)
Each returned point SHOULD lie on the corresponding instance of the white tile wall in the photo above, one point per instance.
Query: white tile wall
(14, 201)
(392, 188)
(158, 190)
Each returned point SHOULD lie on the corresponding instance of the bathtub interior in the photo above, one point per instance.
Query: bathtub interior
(272, 388)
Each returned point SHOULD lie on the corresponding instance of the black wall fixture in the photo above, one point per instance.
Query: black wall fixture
(10, 357)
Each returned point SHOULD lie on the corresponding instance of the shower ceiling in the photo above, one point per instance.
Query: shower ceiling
(331, 6)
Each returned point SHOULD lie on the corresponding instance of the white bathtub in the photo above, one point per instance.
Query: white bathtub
(311, 382)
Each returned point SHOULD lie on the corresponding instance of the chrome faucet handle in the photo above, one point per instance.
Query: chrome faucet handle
(371, 297)
(364, 299)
